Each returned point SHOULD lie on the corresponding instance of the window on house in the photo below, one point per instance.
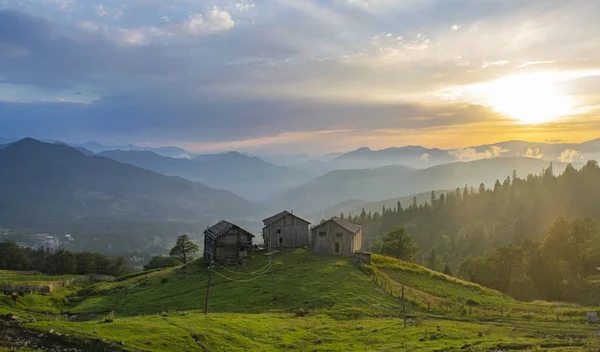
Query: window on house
(280, 240)
(278, 231)
(337, 247)
(339, 235)
(322, 233)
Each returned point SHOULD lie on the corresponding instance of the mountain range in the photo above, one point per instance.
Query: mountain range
(247, 176)
(142, 195)
(94, 147)
(397, 180)
(421, 157)
(169, 151)
(43, 182)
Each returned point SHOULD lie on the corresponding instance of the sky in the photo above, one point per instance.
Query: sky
(300, 76)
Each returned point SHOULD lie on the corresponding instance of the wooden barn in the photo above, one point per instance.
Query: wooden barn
(285, 230)
(336, 237)
(226, 243)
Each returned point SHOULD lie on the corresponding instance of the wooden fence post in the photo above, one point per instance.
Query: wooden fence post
(403, 306)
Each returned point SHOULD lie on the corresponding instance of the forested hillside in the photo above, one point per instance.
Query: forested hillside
(398, 180)
(524, 218)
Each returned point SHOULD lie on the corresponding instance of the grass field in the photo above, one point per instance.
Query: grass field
(324, 304)
(32, 277)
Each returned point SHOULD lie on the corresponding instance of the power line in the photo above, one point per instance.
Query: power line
(241, 273)
(238, 280)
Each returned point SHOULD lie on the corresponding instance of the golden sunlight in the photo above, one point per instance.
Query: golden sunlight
(530, 99)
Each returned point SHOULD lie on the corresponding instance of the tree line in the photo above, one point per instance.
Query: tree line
(523, 236)
(61, 262)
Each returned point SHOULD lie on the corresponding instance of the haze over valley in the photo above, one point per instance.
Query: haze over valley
(67, 187)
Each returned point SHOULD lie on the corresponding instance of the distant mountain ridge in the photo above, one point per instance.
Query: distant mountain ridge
(398, 180)
(247, 176)
(170, 151)
(54, 182)
(421, 157)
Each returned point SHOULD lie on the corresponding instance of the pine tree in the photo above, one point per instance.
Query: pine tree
(432, 258)
(447, 270)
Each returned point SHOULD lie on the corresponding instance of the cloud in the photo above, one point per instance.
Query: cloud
(211, 21)
(570, 155)
(534, 153)
(456, 27)
(115, 13)
(88, 26)
(243, 7)
(361, 3)
(64, 5)
(532, 63)
(425, 157)
(470, 154)
(487, 64)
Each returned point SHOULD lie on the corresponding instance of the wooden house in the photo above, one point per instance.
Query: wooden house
(285, 230)
(336, 237)
(226, 243)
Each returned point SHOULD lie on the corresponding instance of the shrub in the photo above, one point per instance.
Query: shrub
(472, 303)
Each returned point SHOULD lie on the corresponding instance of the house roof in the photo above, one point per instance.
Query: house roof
(221, 228)
(350, 226)
(270, 220)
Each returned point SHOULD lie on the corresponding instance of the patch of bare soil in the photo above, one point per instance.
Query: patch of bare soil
(13, 334)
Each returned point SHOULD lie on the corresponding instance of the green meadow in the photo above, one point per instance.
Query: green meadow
(323, 304)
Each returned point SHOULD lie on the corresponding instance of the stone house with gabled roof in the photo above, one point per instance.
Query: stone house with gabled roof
(285, 230)
(336, 236)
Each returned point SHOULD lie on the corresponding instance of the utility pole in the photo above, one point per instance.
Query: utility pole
(210, 266)
(272, 276)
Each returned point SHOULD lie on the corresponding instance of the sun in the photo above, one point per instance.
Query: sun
(529, 99)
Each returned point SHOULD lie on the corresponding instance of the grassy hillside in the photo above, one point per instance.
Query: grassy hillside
(303, 280)
(29, 277)
(324, 304)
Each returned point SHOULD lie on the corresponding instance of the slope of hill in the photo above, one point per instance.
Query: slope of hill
(397, 180)
(323, 303)
(247, 176)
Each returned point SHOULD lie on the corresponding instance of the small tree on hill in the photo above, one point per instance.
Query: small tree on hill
(397, 243)
(447, 270)
(184, 249)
